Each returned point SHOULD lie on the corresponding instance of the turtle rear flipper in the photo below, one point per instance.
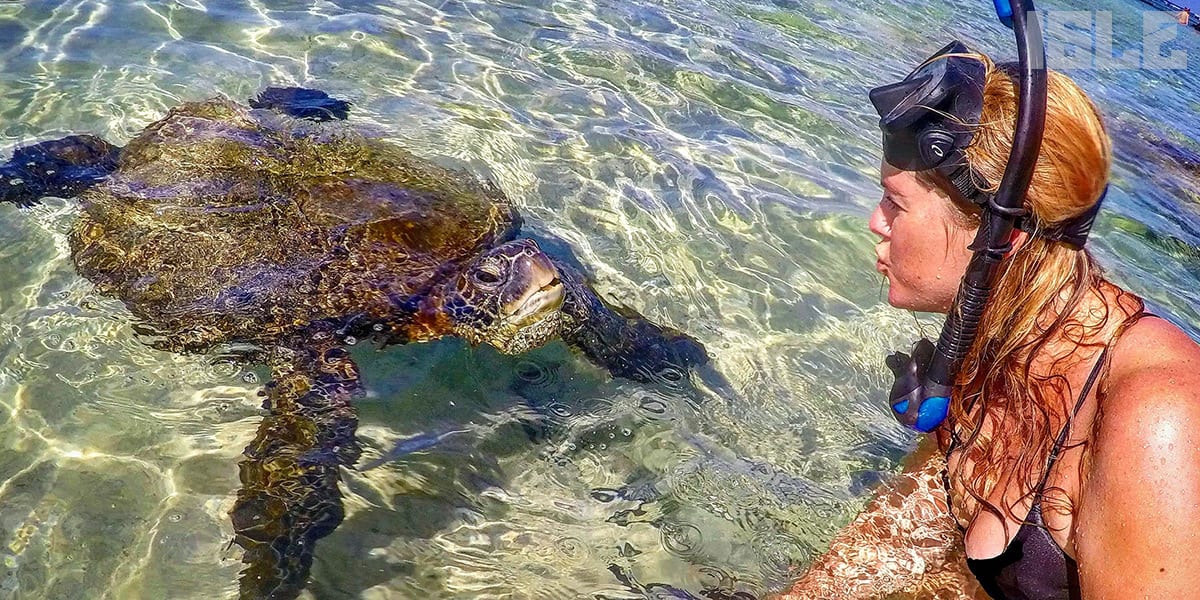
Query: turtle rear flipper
(290, 497)
(302, 103)
(63, 168)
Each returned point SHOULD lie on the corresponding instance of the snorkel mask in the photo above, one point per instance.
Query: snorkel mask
(927, 124)
(926, 118)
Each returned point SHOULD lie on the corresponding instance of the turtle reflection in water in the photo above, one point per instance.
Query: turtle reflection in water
(222, 224)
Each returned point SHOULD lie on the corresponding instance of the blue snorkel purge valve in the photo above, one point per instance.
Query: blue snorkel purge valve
(920, 395)
(1004, 11)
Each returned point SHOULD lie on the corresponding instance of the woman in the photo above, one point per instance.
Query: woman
(1069, 466)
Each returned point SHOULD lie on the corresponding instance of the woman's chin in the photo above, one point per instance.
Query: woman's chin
(898, 298)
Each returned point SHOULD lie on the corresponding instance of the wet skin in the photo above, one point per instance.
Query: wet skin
(922, 249)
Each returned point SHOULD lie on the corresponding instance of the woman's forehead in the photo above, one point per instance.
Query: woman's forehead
(899, 182)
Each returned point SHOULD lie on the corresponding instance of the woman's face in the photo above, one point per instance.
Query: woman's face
(923, 245)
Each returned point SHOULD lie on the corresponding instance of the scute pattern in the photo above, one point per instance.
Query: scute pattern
(223, 223)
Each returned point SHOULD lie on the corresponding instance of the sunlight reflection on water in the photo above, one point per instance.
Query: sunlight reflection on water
(711, 163)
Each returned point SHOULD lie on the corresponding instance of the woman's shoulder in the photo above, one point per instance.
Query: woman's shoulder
(1154, 354)
(1152, 389)
(1137, 505)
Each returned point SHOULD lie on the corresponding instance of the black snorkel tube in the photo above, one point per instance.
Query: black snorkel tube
(920, 396)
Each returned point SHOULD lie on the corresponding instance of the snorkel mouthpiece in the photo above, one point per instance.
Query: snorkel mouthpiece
(914, 403)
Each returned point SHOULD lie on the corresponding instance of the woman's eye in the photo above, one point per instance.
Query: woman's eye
(889, 204)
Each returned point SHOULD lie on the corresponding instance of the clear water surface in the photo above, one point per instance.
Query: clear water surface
(712, 162)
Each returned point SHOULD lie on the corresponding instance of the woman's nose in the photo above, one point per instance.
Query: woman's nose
(879, 224)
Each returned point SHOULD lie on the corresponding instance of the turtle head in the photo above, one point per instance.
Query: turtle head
(509, 297)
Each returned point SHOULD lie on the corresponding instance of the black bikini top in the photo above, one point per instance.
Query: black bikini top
(1033, 567)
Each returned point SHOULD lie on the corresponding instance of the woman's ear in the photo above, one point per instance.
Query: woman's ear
(1017, 239)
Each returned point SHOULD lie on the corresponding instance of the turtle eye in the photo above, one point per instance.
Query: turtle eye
(486, 276)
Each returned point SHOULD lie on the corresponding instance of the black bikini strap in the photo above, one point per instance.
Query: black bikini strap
(1062, 436)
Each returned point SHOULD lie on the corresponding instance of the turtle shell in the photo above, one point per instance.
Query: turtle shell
(228, 224)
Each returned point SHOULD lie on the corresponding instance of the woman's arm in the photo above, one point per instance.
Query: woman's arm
(904, 544)
(1136, 533)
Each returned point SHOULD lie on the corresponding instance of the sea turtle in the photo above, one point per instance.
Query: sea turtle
(223, 225)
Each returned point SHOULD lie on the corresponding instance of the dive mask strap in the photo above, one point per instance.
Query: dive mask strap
(970, 185)
(1073, 232)
(966, 181)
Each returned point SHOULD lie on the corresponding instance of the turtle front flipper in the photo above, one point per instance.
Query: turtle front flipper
(289, 497)
(622, 341)
(63, 167)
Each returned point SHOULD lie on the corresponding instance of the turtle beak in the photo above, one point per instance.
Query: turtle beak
(540, 290)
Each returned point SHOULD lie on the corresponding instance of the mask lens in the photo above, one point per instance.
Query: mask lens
(924, 82)
(923, 115)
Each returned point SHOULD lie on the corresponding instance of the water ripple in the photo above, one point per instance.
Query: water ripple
(711, 165)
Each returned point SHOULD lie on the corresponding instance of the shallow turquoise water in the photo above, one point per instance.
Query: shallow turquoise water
(712, 163)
